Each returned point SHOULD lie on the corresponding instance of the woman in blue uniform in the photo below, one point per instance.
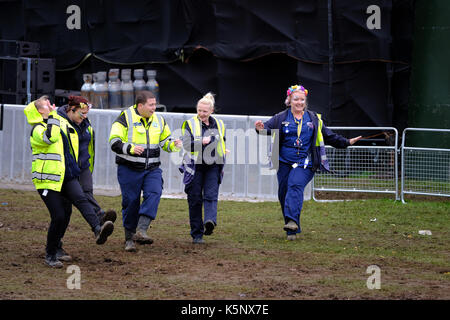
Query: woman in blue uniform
(302, 136)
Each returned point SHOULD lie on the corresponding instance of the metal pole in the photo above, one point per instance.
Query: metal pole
(28, 80)
(2, 108)
(330, 56)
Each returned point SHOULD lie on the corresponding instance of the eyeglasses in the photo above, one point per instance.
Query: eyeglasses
(83, 115)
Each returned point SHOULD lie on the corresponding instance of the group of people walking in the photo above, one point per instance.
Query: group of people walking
(63, 145)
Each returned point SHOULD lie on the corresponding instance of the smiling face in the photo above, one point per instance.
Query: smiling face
(147, 109)
(204, 110)
(297, 102)
(77, 115)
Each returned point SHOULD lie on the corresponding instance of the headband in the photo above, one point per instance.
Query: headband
(296, 88)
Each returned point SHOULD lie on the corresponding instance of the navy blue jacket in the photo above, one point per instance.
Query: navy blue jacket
(84, 137)
(329, 137)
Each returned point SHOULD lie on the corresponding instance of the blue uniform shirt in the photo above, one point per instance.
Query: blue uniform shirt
(290, 151)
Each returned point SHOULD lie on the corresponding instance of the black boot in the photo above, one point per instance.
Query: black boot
(109, 215)
(51, 261)
(102, 233)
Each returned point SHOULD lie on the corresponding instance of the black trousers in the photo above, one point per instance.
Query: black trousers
(88, 187)
(59, 205)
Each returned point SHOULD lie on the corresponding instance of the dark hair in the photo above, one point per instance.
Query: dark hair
(143, 96)
(74, 101)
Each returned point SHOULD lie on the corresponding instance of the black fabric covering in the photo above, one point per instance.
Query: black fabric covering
(248, 52)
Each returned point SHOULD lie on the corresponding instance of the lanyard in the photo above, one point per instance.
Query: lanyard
(299, 127)
(299, 132)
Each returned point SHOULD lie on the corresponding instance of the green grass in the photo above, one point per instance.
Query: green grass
(247, 257)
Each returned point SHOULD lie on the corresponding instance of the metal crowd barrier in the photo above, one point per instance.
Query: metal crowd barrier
(361, 169)
(246, 175)
(425, 170)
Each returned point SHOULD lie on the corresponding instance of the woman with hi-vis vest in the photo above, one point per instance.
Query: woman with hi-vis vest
(203, 163)
(301, 136)
(76, 113)
(136, 137)
(55, 174)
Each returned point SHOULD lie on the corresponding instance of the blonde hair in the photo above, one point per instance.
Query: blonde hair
(40, 102)
(208, 99)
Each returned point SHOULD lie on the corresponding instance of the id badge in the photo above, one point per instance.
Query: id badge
(295, 165)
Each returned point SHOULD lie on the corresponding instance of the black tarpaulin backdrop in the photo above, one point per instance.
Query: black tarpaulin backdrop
(247, 52)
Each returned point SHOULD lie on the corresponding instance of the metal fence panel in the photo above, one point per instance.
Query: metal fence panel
(425, 171)
(365, 169)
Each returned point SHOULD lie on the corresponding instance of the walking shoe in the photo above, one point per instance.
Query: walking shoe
(198, 241)
(291, 226)
(209, 227)
(62, 255)
(109, 215)
(105, 231)
(141, 237)
(291, 237)
(130, 246)
(51, 261)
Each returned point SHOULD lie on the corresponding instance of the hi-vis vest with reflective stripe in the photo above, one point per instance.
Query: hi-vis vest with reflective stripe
(321, 145)
(48, 163)
(196, 130)
(91, 148)
(152, 136)
(48, 166)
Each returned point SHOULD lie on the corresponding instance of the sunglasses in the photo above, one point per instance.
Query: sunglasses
(83, 115)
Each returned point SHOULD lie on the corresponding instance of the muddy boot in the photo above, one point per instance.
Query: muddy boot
(209, 227)
(102, 233)
(129, 242)
(291, 237)
(109, 215)
(51, 261)
(291, 226)
(141, 236)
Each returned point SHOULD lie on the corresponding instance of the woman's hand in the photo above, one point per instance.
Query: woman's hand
(354, 140)
(259, 125)
(206, 140)
(178, 143)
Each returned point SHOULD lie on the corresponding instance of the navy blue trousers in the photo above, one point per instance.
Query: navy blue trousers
(291, 185)
(88, 187)
(203, 190)
(132, 182)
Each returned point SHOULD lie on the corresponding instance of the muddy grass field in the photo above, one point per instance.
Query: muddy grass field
(246, 258)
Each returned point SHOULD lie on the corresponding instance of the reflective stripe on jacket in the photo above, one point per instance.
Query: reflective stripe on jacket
(48, 166)
(191, 158)
(130, 130)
